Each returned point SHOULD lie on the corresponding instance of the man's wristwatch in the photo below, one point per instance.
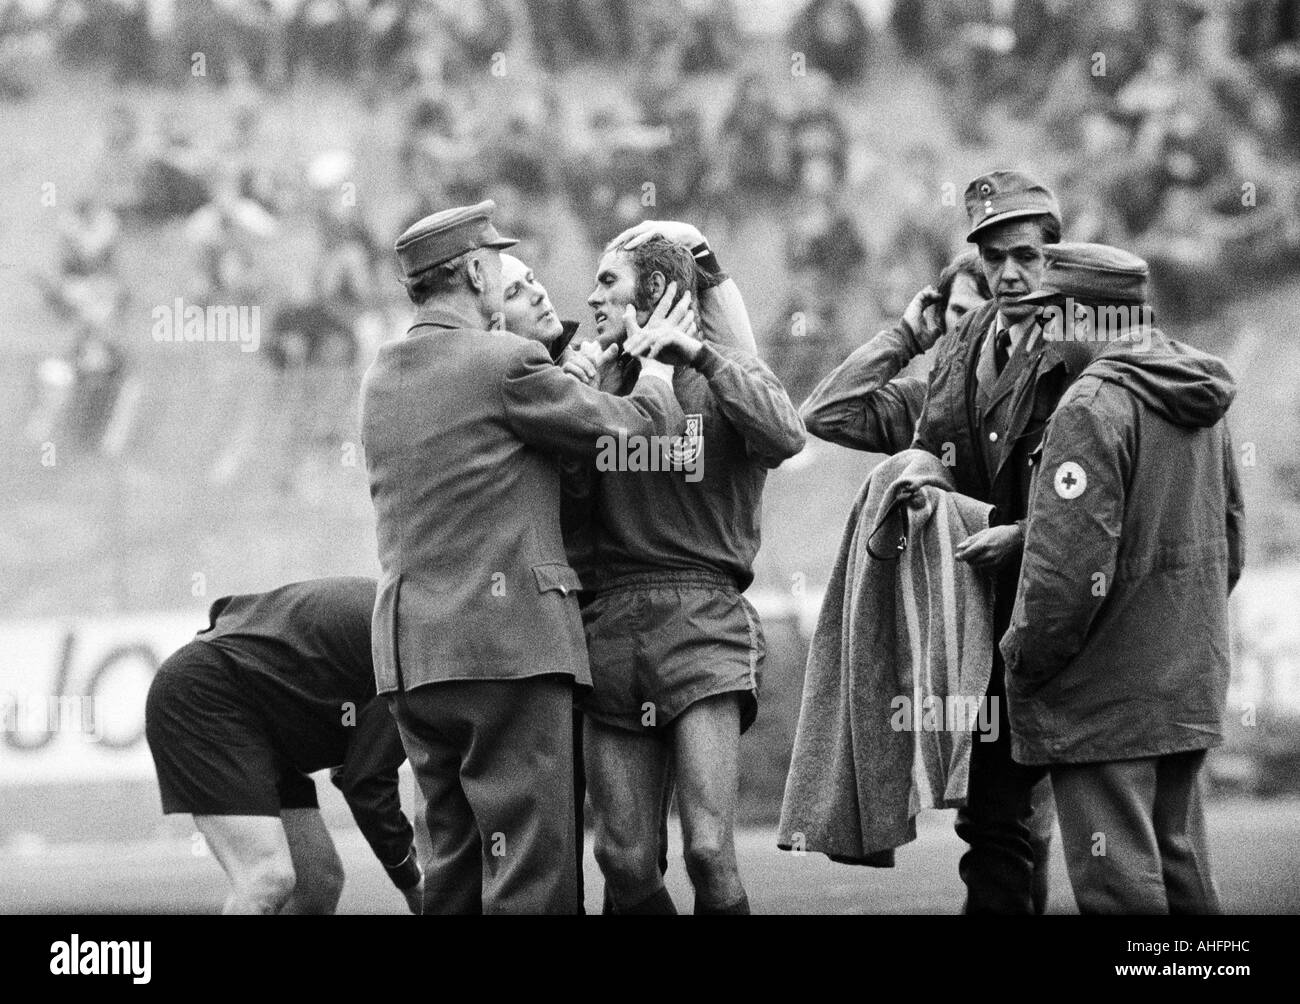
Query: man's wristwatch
(710, 271)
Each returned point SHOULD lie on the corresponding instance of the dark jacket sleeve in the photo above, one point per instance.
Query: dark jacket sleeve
(724, 320)
(753, 400)
(863, 403)
(1236, 515)
(555, 412)
(368, 781)
(1071, 544)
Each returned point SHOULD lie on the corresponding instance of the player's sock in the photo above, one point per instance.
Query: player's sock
(658, 903)
(740, 908)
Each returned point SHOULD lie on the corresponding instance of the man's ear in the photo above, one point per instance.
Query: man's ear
(474, 272)
(657, 286)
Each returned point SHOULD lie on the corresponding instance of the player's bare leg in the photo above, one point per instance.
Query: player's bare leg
(706, 746)
(627, 773)
(254, 851)
(315, 862)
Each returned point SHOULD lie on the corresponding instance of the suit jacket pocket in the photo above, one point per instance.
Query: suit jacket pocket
(558, 577)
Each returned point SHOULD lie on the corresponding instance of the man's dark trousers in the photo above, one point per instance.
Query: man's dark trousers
(494, 760)
(1134, 835)
(1005, 867)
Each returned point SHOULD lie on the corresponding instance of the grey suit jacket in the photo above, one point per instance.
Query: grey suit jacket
(461, 429)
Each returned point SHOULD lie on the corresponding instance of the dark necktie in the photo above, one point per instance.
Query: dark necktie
(1001, 350)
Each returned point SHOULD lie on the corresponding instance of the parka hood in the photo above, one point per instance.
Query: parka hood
(1188, 387)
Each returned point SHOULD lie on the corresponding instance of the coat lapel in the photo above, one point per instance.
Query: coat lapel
(1038, 359)
(986, 376)
(1013, 374)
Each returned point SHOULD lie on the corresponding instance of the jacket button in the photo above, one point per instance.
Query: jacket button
(993, 437)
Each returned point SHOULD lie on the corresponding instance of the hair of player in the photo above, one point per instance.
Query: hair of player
(968, 264)
(672, 260)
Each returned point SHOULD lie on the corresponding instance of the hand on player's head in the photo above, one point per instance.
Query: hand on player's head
(673, 230)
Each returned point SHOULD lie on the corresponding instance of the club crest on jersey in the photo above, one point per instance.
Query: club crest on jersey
(685, 452)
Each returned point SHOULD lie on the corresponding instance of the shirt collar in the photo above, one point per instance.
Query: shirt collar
(1017, 330)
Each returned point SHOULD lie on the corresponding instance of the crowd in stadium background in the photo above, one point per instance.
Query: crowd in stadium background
(1162, 114)
(267, 153)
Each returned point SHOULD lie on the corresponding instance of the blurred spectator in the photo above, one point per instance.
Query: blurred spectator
(325, 38)
(755, 152)
(432, 154)
(263, 42)
(309, 334)
(1094, 180)
(474, 34)
(25, 45)
(88, 236)
(1268, 35)
(806, 337)
(834, 38)
(824, 239)
(174, 174)
(910, 22)
(975, 63)
(920, 242)
(710, 36)
(98, 367)
(345, 282)
(129, 40)
(390, 37)
(243, 157)
(121, 161)
(226, 234)
(819, 142)
(76, 392)
(518, 153)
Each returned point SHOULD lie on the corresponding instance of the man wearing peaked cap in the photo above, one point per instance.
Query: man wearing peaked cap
(1117, 654)
(1002, 196)
(996, 382)
(1094, 293)
(478, 643)
(1094, 273)
(442, 236)
(993, 383)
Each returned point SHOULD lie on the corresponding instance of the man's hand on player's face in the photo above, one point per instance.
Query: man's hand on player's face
(673, 230)
(671, 344)
(586, 361)
(672, 332)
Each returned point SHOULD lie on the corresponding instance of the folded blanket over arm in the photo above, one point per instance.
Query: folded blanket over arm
(899, 663)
